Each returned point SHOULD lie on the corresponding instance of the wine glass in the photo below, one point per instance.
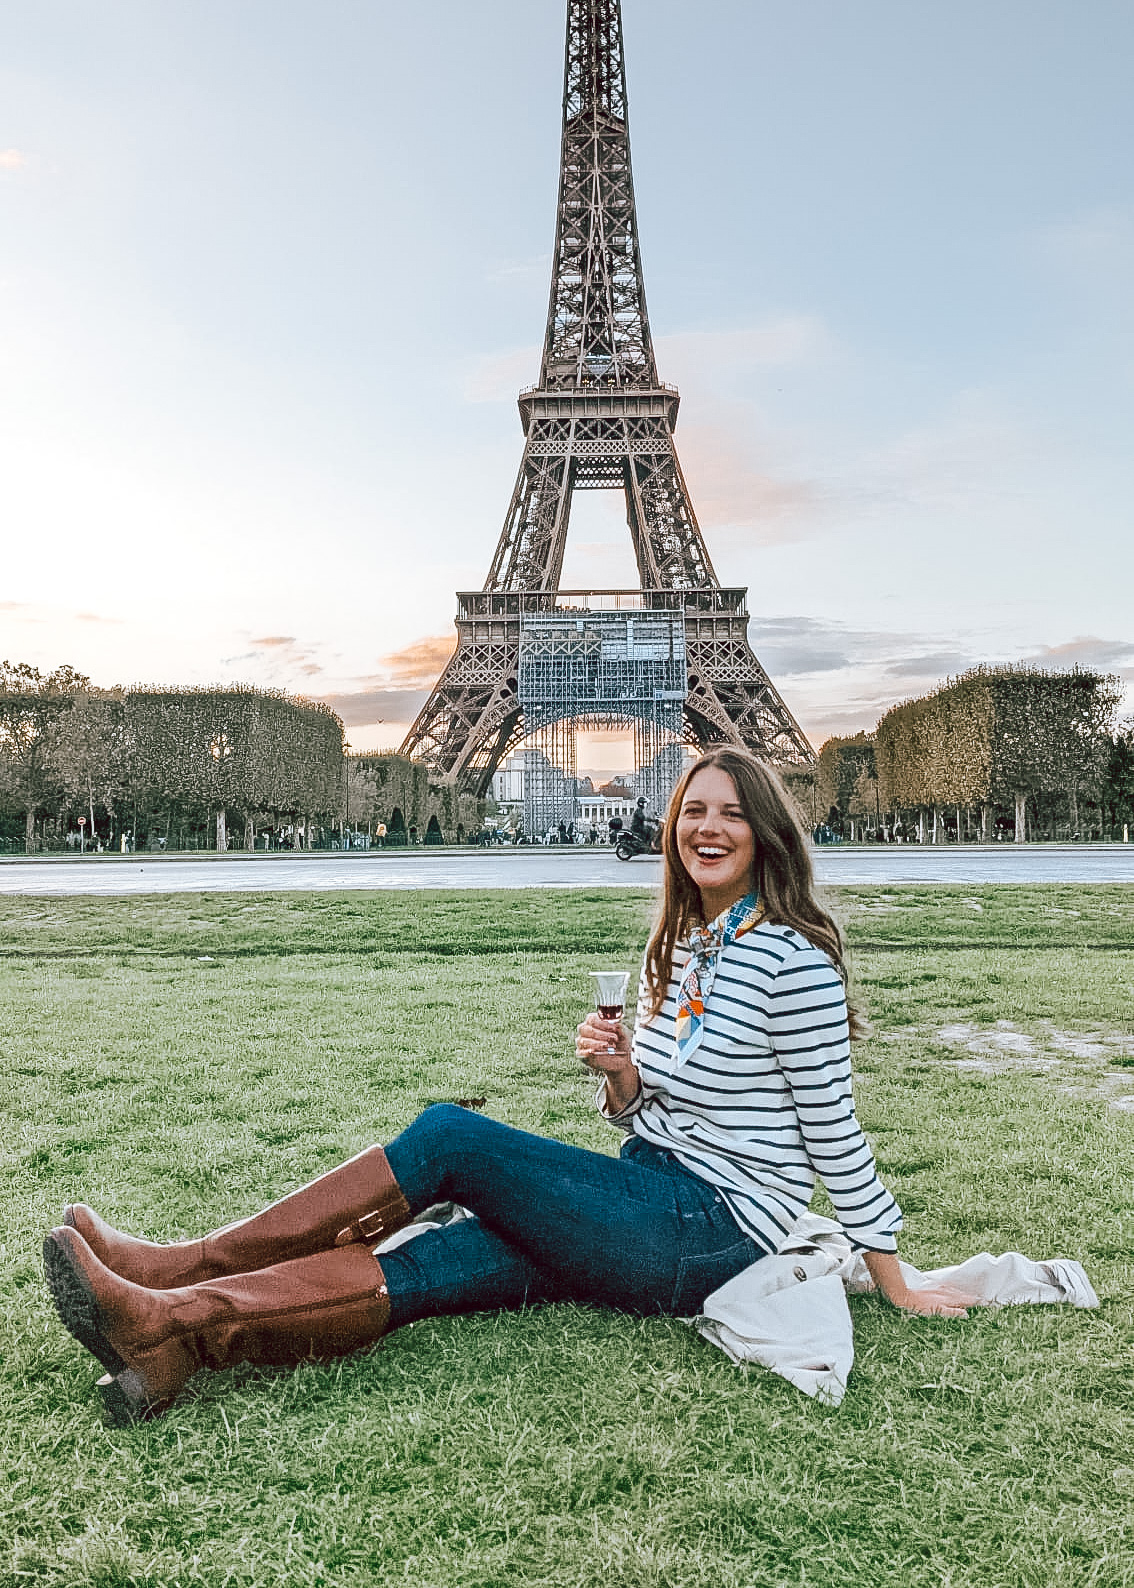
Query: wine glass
(610, 994)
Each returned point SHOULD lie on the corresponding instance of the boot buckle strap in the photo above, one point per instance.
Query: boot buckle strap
(367, 1227)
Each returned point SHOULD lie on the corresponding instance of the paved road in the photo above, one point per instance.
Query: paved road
(538, 868)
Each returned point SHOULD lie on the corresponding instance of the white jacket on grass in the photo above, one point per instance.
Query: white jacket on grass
(789, 1312)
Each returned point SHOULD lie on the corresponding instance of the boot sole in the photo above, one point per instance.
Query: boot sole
(78, 1310)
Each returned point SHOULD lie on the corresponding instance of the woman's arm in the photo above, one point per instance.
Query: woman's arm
(937, 1300)
(604, 1046)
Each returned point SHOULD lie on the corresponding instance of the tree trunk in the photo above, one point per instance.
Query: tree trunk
(249, 833)
(960, 829)
(936, 826)
(985, 823)
(1074, 796)
(921, 824)
(29, 831)
(1021, 817)
(222, 836)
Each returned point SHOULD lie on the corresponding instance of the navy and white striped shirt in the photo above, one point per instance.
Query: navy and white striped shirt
(764, 1104)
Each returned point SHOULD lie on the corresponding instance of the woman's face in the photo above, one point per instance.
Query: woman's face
(716, 845)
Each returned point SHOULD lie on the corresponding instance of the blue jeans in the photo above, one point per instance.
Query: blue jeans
(552, 1222)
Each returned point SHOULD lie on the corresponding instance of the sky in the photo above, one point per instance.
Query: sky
(272, 273)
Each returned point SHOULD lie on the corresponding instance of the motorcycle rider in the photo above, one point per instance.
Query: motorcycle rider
(639, 826)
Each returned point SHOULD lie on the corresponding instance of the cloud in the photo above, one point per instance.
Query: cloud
(12, 160)
(1096, 244)
(96, 617)
(282, 657)
(500, 376)
(725, 450)
(1085, 650)
(706, 357)
(801, 645)
(395, 695)
(514, 271)
(939, 664)
(729, 490)
(976, 453)
(362, 707)
(418, 666)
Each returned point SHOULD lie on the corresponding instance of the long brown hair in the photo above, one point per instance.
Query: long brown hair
(784, 878)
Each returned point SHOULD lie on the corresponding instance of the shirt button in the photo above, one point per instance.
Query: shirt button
(799, 1271)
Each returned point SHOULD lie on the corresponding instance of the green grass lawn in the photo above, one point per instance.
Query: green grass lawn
(180, 1060)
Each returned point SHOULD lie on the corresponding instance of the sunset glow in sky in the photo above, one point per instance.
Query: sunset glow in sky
(273, 271)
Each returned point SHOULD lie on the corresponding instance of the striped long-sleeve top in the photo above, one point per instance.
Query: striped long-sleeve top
(764, 1104)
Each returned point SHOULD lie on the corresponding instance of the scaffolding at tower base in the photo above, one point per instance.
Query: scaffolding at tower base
(593, 669)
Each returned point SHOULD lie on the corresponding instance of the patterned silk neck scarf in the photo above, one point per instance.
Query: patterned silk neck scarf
(706, 944)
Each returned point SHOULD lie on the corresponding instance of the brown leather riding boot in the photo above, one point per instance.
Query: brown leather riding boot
(154, 1341)
(358, 1201)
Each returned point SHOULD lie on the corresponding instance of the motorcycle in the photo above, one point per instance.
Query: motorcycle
(630, 844)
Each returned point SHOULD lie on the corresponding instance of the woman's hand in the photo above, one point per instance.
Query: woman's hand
(938, 1301)
(603, 1045)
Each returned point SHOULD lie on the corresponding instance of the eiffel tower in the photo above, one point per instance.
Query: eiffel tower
(598, 418)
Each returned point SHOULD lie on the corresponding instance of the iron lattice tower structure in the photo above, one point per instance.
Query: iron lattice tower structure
(598, 418)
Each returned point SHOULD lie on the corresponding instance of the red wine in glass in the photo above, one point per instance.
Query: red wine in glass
(610, 994)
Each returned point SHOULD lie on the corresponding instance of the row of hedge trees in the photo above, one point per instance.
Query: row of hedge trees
(180, 766)
(148, 760)
(393, 789)
(999, 748)
(163, 762)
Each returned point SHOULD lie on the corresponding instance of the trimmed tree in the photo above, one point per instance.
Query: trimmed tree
(1118, 783)
(31, 705)
(249, 752)
(999, 734)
